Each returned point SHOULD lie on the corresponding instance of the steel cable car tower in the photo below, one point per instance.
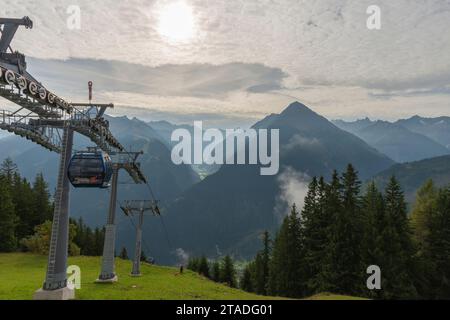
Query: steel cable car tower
(121, 160)
(139, 207)
(50, 121)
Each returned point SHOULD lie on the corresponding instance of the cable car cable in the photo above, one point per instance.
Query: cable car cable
(143, 240)
(161, 219)
(152, 194)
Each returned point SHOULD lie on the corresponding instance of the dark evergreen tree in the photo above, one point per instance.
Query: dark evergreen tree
(88, 242)
(215, 271)
(438, 250)
(228, 272)
(43, 209)
(258, 277)
(261, 265)
(22, 196)
(8, 218)
(8, 169)
(193, 264)
(99, 238)
(348, 274)
(398, 250)
(373, 245)
(317, 219)
(332, 206)
(246, 281)
(143, 256)
(265, 254)
(80, 234)
(286, 277)
(203, 267)
(124, 254)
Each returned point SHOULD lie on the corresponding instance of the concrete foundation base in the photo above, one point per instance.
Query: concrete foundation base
(112, 280)
(60, 294)
(135, 275)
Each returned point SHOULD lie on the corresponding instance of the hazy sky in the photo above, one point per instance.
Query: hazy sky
(240, 60)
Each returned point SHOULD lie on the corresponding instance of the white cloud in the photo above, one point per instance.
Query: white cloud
(293, 188)
(182, 256)
(333, 62)
(298, 141)
(316, 42)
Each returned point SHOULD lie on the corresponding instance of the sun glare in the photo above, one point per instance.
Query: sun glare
(176, 21)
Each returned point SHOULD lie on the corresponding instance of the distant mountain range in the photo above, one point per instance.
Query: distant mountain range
(227, 210)
(167, 179)
(437, 129)
(133, 133)
(165, 130)
(405, 140)
(413, 175)
(230, 209)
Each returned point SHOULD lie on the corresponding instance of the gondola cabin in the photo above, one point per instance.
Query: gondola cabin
(90, 170)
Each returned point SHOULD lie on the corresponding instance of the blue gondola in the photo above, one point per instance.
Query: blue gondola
(89, 169)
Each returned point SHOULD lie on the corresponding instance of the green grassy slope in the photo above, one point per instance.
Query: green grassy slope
(22, 274)
(334, 297)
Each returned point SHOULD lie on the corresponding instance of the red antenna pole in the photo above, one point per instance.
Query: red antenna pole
(90, 91)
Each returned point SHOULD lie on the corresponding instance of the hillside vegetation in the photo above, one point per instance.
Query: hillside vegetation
(21, 274)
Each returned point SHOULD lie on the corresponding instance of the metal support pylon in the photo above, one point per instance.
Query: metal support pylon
(136, 271)
(55, 285)
(46, 114)
(126, 161)
(131, 207)
(107, 273)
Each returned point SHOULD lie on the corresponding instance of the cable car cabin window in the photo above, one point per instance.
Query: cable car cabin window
(86, 167)
(90, 171)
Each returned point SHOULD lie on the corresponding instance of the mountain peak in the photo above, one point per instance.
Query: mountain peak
(298, 110)
(295, 107)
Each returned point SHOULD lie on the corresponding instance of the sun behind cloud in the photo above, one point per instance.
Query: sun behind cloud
(176, 21)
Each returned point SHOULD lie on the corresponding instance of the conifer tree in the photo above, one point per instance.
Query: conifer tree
(203, 267)
(399, 250)
(439, 247)
(8, 218)
(22, 197)
(124, 254)
(143, 256)
(79, 236)
(424, 209)
(258, 276)
(99, 237)
(373, 245)
(246, 281)
(193, 264)
(215, 272)
(42, 206)
(286, 276)
(261, 266)
(228, 272)
(266, 252)
(8, 169)
(347, 236)
(332, 205)
(317, 218)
